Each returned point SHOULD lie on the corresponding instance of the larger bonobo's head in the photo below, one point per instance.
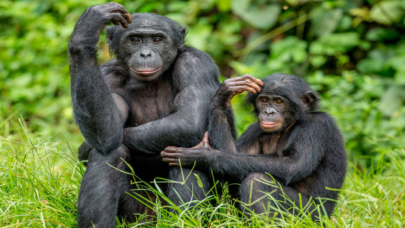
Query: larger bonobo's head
(283, 100)
(148, 46)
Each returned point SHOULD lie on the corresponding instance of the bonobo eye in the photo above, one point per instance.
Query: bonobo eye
(136, 39)
(264, 100)
(278, 101)
(157, 39)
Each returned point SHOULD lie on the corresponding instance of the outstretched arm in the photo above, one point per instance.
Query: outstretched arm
(99, 113)
(195, 76)
(304, 156)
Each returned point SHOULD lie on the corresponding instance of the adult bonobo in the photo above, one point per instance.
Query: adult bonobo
(155, 94)
(300, 147)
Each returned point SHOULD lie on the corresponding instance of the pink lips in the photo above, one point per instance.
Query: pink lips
(269, 124)
(146, 72)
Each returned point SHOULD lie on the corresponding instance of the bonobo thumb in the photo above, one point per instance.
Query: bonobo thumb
(204, 143)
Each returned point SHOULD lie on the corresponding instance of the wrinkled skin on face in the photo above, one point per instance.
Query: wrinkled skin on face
(146, 49)
(273, 110)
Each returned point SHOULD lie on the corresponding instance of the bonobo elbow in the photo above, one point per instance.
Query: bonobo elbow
(80, 46)
(108, 148)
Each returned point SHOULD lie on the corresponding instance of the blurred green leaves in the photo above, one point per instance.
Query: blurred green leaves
(259, 14)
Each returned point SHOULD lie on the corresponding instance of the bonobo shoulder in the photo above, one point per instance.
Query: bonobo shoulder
(195, 64)
(321, 121)
(114, 74)
(192, 55)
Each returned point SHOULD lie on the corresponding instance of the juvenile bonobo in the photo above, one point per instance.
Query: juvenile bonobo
(300, 147)
(156, 93)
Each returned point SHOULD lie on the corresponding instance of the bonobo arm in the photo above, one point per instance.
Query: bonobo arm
(305, 154)
(98, 112)
(195, 76)
(219, 129)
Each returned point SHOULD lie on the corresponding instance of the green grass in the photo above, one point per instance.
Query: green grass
(40, 179)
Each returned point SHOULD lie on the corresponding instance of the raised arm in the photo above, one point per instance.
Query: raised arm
(219, 129)
(99, 113)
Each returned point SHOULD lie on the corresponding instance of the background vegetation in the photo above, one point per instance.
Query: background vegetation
(351, 52)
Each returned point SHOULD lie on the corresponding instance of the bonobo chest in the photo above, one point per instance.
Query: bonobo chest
(273, 144)
(150, 101)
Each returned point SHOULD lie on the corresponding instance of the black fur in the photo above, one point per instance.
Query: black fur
(130, 116)
(305, 156)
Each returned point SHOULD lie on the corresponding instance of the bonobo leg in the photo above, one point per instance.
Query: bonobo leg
(180, 194)
(256, 185)
(102, 187)
(84, 152)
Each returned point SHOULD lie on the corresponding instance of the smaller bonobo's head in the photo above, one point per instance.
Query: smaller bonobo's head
(283, 100)
(148, 46)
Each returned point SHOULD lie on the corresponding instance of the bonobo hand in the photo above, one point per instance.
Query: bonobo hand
(95, 18)
(234, 86)
(187, 156)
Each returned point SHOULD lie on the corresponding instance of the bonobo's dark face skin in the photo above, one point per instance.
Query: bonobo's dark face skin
(273, 111)
(146, 49)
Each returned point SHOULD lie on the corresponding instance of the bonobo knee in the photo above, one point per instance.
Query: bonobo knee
(254, 182)
(120, 154)
(255, 177)
(114, 158)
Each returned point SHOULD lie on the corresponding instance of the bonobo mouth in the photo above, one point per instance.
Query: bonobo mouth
(270, 125)
(145, 72)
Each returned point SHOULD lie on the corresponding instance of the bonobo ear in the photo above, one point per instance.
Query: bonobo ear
(311, 100)
(183, 33)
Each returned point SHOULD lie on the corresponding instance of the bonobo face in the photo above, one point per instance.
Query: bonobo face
(145, 63)
(273, 112)
(148, 47)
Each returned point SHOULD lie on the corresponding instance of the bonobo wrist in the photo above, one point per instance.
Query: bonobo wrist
(220, 102)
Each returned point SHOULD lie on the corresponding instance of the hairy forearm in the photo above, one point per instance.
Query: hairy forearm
(178, 129)
(93, 105)
(241, 165)
(222, 137)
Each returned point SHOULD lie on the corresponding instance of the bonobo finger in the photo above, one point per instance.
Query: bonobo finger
(172, 149)
(254, 80)
(170, 155)
(117, 17)
(250, 77)
(204, 142)
(245, 88)
(128, 17)
(173, 160)
(250, 83)
(115, 7)
(254, 86)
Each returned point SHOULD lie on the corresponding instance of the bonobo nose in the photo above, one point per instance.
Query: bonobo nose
(269, 111)
(146, 53)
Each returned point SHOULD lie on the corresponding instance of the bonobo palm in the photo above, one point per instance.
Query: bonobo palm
(301, 148)
(156, 93)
